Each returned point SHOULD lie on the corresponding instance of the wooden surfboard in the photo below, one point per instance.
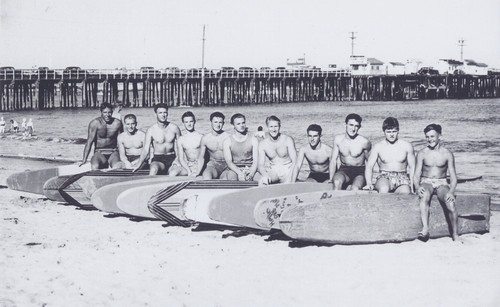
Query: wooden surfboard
(73, 190)
(380, 218)
(33, 181)
(238, 207)
(104, 198)
(166, 203)
(267, 211)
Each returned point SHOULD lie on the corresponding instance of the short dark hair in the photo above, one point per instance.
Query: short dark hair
(390, 123)
(354, 116)
(130, 116)
(235, 116)
(434, 127)
(188, 114)
(315, 127)
(273, 118)
(260, 128)
(160, 105)
(105, 105)
(217, 114)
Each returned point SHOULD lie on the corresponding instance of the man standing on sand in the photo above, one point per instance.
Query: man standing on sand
(280, 150)
(188, 148)
(130, 143)
(213, 142)
(103, 133)
(317, 155)
(240, 152)
(433, 162)
(394, 157)
(353, 150)
(162, 136)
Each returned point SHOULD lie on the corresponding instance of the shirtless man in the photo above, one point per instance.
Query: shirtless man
(162, 136)
(280, 150)
(241, 152)
(394, 157)
(353, 150)
(130, 143)
(433, 162)
(103, 133)
(188, 148)
(213, 142)
(317, 155)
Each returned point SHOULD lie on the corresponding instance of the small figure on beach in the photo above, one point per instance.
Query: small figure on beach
(162, 136)
(31, 127)
(188, 148)
(213, 142)
(14, 126)
(130, 143)
(260, 134)
(396, 161)
(118, 106)
(433, 163)
(280, 150)
(2, 125)
(241, 152)
(353, 150)
(317, 156)
(24, 126)
(103, 134)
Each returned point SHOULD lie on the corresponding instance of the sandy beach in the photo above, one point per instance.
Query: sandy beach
(55, 255)
(58, 255)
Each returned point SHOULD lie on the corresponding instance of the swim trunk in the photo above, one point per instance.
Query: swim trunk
(106, 152)
(132, 158)
(192, 165)
(280, 171)
(352, 171)
(166, 160)
(245, 169)
(435, 182)
(319, 177)
(219, 166)
(396, 179)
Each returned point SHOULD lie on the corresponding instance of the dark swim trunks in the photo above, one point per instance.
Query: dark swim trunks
(132, 158)
(352, 171)
(106, 152)
(166, 160)
(319, 177)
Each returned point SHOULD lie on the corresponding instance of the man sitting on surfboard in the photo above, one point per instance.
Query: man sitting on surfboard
(241, 152)
(394, 157)
(280, 150)
(130, 143)
(317, 155)
(162, 136)
(353, 150)
(433, 162)
(188, 148)
(103, 134)
(213, 143)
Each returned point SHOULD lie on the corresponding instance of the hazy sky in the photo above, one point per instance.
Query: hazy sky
(162, 33)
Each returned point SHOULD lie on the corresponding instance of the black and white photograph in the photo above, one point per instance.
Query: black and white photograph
(249, 153)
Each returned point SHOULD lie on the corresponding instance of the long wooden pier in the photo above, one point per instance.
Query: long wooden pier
(71, 88)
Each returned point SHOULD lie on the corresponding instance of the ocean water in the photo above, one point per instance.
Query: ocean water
(471, 129)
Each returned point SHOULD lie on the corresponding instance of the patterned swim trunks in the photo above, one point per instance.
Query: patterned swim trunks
(396, 179)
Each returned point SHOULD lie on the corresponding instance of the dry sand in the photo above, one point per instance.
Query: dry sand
(57, 255)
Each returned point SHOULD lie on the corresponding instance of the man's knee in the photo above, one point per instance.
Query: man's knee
(338, 183)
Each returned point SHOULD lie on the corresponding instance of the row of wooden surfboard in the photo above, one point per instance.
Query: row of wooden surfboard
(305, 211)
